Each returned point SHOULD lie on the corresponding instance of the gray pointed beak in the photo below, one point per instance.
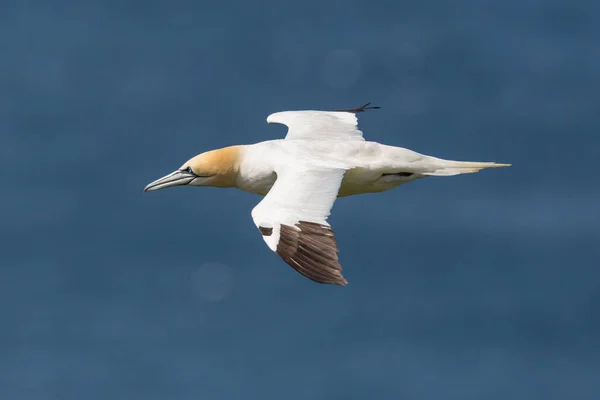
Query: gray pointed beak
(177, 178)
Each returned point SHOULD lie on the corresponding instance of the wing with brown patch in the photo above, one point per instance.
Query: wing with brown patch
(292, 219)
(311, 249)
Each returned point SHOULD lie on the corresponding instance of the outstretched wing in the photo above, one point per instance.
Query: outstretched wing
(292, 218)
(305, 124)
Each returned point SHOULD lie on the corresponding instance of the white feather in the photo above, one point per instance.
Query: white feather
(300, 193)
(311, 124)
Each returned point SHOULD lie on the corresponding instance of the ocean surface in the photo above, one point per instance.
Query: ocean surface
(482, 286)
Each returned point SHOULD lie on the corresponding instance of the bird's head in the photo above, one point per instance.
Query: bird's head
(214, 168)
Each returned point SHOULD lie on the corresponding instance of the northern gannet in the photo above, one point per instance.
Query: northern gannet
(323, 156)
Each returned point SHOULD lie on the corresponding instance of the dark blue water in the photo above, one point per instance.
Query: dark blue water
(482, 286)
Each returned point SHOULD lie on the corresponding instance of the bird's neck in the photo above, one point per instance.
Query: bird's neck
(255, 173)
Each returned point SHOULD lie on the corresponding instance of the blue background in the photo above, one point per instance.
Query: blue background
(480, 286)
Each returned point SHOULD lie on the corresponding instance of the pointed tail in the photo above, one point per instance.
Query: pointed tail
(447, 168)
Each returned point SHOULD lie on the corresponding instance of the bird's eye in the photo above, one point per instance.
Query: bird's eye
(188, 169)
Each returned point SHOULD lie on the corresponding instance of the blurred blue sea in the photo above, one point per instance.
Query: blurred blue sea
(483, 286)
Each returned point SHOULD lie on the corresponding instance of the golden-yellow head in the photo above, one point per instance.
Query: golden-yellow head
(214, 168)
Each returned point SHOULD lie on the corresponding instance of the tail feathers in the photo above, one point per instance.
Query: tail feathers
(448, 168)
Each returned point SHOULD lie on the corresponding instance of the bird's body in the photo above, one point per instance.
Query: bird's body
(370, 166)
(323, 157)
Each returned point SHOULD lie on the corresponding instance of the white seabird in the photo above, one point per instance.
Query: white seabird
(323, 156)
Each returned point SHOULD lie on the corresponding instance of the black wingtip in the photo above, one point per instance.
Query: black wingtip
(362, 108)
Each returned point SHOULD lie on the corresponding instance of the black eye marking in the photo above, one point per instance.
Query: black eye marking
(190, 171)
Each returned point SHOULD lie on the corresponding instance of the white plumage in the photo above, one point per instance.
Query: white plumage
(323, 156)
(318, 125)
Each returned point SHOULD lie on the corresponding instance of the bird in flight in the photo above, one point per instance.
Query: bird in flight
(322, 157)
